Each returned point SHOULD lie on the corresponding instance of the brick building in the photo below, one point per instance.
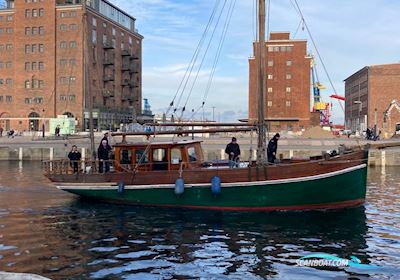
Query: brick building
(369, 93)
(44, 71)
(287, 86)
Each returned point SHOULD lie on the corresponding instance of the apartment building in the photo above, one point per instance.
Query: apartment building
(58, 56)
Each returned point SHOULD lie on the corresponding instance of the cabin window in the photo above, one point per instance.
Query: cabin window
(160, 161)
(176, 156)
(139, 154)
(126, 157)
(192, 154)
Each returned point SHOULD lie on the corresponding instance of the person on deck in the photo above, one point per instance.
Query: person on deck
(103, 155)
(105, 137)
(272, 148)
(74, 156)
(233, 151)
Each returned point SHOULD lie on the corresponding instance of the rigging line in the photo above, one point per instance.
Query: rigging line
(204, 56)
(297, 29)
(315, 46)
(194, 62)
(218, 54)
(195, 54)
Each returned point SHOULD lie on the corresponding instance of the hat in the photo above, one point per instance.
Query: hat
(277, 135)
(233, 139)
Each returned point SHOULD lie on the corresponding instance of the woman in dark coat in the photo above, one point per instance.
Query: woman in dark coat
(272, 148)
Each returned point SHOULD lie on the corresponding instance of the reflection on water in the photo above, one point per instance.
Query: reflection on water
(54, 234)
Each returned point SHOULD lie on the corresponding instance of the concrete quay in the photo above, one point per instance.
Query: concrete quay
(22, 148)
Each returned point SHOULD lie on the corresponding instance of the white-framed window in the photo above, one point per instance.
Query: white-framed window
(288, 76)
(270, 62)
(288, 89)
(288, 103)
(270, 89)
(269, 103)
(270, 76)
(288, 63)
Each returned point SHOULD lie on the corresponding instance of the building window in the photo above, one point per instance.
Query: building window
(41, 12)
(113, 42)
(72, 62)
(63, 98)
(10, 18)
(72, 44)
(1, 30)
(283, 49)
(270, 89)
(41, 83)
(28, 100)
(27, 66)
(130, 41)
(27, 84)
(34, 48)
(289, 49)
(94, 22)
(34, 66)
(288, 103)
(1, 64)
(9, 82)
(38, 100)
(9, 30)
(288, 63)
(72, 98)
(27, 48)
(270, 76)
(288, 89)
(72, 14)
(35, 30)
(269, 103)
(94, 36)
(72, 80)
(34, 13)
(104, 25)
(41, 66)
(104, 38)
(63, 62)
(27, 13)
(8, 64)
(288, 76)
(27, 31)
(63, 14)
(270, 63)
(34, 83)
(63, 27)
(1, 47)
(41, 30)
(63, 45)
(270, 49)
(1, 81)
(9, 47)
(73, 26)
(41, 48)
(63, 80)
(276, 49)
(113, 32)
(8, 99)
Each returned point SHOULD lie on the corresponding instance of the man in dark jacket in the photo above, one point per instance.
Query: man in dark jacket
(103, 155)
(272, 148)
(74, 156)
(233, 151)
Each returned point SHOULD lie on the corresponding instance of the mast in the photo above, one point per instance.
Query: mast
(261, 86)
(86, 89)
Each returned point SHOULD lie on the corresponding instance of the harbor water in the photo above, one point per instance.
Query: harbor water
(60, 236)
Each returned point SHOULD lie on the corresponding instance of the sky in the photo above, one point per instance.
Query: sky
(349, 35)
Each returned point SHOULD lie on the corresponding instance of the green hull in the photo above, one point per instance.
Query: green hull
(337, 189)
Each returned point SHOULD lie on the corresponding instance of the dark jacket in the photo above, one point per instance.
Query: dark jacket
(103, 152)
(272, 146)
(232, 148)
(74, 155)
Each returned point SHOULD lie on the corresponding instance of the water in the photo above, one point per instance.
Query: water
(55, 234)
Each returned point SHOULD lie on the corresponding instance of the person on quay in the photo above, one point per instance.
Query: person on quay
(272, 148)
(233, 151)
(103, 155)
(1, 131)
(74, 156)
(57, 131)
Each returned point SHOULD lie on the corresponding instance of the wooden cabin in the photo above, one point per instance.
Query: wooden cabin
(158, 155)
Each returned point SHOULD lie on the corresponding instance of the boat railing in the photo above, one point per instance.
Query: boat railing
(65, 166)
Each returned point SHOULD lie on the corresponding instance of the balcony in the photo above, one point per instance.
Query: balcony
(108, 93)
(108, 45)
(125, 52)
(108, 77)
(125, 82)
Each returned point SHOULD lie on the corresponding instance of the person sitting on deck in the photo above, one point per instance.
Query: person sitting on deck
(233, 151)
(74, 156)
(103, 155)
(272, 148)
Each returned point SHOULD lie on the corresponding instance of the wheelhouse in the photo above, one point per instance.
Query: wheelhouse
(160, 156)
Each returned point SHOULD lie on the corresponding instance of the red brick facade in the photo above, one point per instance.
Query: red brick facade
(44, 66)
(369, 93)
(287, 102)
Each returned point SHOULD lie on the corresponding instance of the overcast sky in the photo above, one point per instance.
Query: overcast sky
(349, 34)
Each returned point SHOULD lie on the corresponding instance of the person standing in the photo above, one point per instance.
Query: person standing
(74, 156)
(105, 137)
(272, 148)
(57, 131)
(103, 156)
(1, 131)
(233, 151)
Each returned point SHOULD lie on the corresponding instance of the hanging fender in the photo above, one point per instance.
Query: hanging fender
(179, 186)
(216, 185)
